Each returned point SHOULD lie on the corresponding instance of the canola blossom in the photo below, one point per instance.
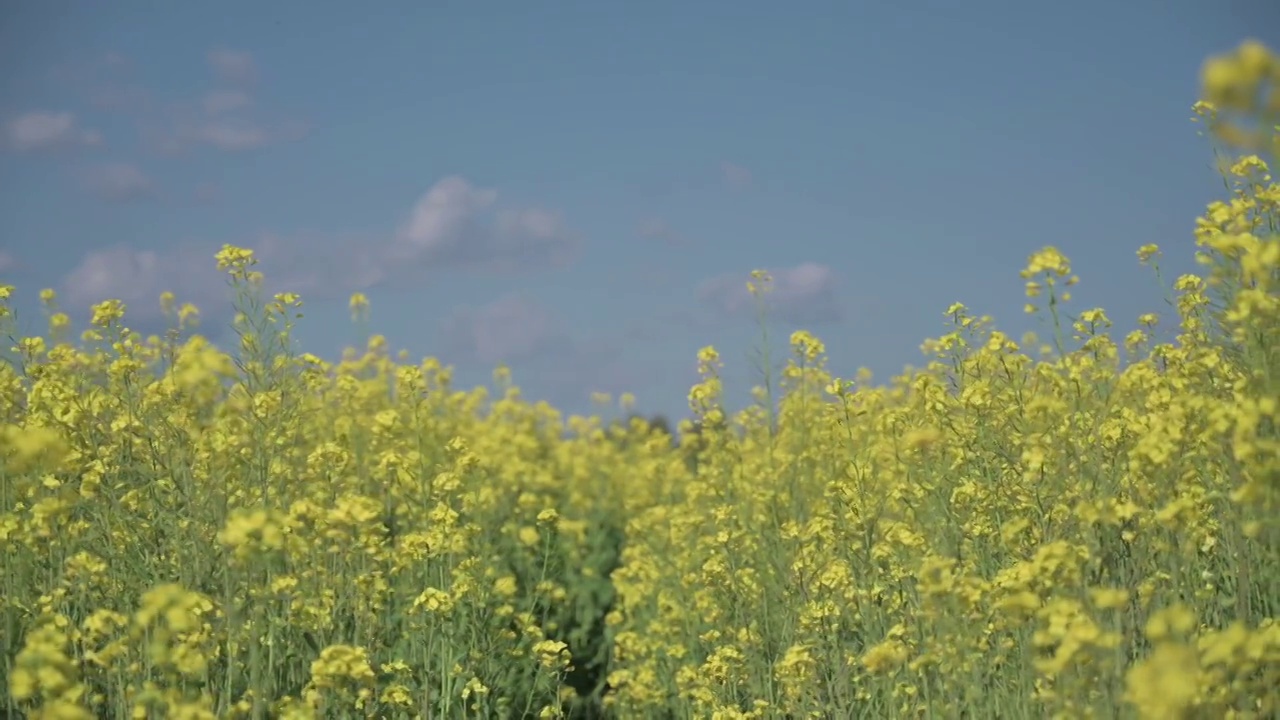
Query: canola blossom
(1079, 526)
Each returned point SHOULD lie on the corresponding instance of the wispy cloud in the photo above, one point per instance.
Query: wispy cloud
(453, 226)
(43, 130)
(222, 135)
(518, 331)
(103, 82)
(317, 268)
(217, 102)
(804, 293)
(119, 182)
(138, 277)
(735, 176)
(455, 223)
(226, 116)
(514, 327)
(234, 67)
(655, 228)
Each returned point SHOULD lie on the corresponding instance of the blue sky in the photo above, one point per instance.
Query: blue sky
(579, 189)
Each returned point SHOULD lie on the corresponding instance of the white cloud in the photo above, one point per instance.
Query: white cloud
(119, 182)
(455, 223)
(40, 130)
(804, 293)
(444, 216)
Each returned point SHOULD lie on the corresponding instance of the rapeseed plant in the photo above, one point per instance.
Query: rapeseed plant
(1073, 528)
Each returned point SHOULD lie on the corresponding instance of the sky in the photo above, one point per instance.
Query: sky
(579, 190)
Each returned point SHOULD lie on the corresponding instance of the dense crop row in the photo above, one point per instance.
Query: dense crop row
(1009, 532)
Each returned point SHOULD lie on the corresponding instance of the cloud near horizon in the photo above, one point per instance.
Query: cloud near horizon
(518, 330)
(454, 225)
(513, 327)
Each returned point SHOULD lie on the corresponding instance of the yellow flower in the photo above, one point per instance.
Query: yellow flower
(235, 259)
(1254, 60)
(1147, 252)
(474, 688)
(107, 313)
(805, 345)
(529, 535)
(1166, 684)
(506, 586)
(921, 438)
(340, 664)
(434, 601)
(1109, 598)
(884, 657)
(760, 283)
(1176, 621)
(1048, 260)
(552, 654)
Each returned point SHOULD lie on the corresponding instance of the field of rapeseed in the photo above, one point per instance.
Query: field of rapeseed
(1084, 530)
